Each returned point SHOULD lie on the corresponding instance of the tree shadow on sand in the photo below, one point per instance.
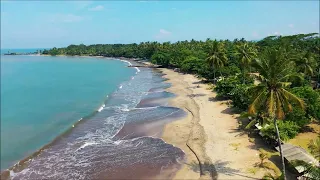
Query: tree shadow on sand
(196, 95)
(221, 166)
(201, 82)
(217, 98)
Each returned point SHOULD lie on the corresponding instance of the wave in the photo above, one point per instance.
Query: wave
(101, 108)
(86, 144)
(138, 70)
(127, 62)
(153, 107)
(101, 140)
(130, 64)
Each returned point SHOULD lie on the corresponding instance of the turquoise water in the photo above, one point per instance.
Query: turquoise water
(41, 97)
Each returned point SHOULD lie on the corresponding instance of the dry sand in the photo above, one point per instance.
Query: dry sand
(211, 129)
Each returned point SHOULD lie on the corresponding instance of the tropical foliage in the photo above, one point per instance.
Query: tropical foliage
(314, 148)
(286, 71)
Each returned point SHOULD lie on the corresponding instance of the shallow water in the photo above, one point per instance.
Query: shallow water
(120, 141)
(41, 97)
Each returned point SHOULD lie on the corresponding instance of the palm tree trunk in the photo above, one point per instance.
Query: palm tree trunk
(214, 74)
(280, 149)
(244, 76)
(318, 77)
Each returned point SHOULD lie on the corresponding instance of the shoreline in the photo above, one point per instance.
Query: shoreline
(211, 130)
(23, 162)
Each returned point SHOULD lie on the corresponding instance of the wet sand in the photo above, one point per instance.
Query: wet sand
(211, 130)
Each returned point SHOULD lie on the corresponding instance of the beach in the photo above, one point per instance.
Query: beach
(211, 130)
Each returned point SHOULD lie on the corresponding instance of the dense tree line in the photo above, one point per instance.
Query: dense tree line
(276, 78)
(210, 58)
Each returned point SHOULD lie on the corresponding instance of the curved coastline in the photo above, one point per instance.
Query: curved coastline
(24, 162)
(6, 173)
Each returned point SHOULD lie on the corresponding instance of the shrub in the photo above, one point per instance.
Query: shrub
(191, 64)
(240, 96)
(160, 58)
(225, 86)
(314, 147)
(311, 99)
(287, 130)
(298, 116)
(230, 70)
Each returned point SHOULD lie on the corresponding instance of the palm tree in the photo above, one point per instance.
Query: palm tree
(275, 68)
(314, 148)
(312, 171)
(216, 56)
(305, 64)
(245, 53)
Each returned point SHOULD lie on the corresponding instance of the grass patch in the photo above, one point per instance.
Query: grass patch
(253, 170)
(235, 146)
(303, 139)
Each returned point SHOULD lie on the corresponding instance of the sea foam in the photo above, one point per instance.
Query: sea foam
(101, 108)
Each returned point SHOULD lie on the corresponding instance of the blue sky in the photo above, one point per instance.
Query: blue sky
(32, 24)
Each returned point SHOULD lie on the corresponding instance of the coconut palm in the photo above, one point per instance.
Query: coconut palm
(314, 148)
(245, 54)
(274, 68)
(311, 171)
(306, 63)
(216, 56)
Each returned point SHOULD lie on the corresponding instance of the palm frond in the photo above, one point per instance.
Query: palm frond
(293, 98)
(260, 90)
(250, 124)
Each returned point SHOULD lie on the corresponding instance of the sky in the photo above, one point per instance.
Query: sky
(47, 24)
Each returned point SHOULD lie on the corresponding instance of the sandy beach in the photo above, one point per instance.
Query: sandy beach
(211, 130)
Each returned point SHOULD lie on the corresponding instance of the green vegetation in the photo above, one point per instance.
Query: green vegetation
(276, 78)
(314, 147)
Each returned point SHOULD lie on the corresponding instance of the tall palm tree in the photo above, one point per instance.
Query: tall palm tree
(274, 68)
(216, 56)
(245, 54)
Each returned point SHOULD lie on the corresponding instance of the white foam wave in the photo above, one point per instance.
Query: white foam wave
(101, 108)
(132, 77)
(125, 109)
(127, 62)
(86, 144)
(138, 70)
(117, 142)
(153, 107)
(120, 87)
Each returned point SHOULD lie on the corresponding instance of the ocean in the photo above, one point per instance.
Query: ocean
(84, 118)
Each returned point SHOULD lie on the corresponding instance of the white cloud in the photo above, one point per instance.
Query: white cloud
(66, 18)
(291, 26)
(97, 8)
(276, 33)
(163, 34)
